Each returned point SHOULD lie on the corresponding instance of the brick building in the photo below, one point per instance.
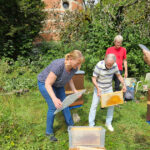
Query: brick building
(55, 10)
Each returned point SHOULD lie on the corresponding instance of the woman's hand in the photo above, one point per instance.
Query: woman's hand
(57, 103)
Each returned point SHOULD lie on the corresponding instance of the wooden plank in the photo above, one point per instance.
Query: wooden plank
(111, 99)
(148, 113)
(86, 148)
(71, 92)
(89, 148)
(148, 107)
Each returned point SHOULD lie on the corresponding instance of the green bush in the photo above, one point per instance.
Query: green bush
(22, 73)
(20, 23)
(104, 24)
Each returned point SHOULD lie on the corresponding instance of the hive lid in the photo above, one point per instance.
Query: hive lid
(86, 136)
(80, 72)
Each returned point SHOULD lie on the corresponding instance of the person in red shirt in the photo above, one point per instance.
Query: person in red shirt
(121, 58)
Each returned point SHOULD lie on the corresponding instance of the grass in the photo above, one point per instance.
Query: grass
(23, 121)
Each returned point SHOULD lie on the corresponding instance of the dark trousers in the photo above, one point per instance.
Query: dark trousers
(117, 82)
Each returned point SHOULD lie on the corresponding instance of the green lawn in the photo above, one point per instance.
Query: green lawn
(23, 121)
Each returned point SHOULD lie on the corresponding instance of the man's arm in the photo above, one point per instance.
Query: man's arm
(96, 85)
(122, 82)
(125, 68)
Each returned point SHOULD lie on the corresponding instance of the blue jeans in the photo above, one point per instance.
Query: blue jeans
(60, 93)
(95, 102)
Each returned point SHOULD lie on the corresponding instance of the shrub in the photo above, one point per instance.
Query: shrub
(20, 23)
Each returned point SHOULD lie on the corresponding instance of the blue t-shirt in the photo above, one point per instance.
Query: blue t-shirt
(58, 68)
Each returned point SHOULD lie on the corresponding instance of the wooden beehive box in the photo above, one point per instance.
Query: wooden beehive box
(111, 99)
(78, 80)
(85, 136)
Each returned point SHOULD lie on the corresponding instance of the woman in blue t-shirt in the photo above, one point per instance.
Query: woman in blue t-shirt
(51, 82)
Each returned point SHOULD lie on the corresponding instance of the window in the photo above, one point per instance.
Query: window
(66, 5)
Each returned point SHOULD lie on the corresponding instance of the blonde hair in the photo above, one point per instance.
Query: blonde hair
(118, 38)
(75, 54)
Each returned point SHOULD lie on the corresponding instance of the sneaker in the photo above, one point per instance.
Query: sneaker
(110, 128)
(52, 137)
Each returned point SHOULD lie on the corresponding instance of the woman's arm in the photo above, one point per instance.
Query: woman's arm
(48, 85)
(72, 86)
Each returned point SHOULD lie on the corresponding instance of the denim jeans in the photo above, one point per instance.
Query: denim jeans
(60, 93)
(95, 102)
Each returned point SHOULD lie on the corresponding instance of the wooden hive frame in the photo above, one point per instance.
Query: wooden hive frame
(111, 99)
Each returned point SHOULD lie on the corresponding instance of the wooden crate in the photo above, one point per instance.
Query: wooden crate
(78, 80)
(111, 99)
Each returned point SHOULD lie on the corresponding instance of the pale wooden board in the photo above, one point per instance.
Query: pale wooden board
(111, 99)
(86, 148)
(89, 148)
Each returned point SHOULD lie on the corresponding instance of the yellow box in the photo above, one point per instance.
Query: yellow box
(111, 99)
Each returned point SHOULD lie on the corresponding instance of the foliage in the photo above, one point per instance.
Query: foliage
(97, 26)
(20, 23)
(22, 73)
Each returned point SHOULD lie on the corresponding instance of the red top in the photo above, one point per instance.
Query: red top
(120, 54)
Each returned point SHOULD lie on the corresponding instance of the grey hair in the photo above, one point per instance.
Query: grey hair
(110, 57)
(118, 38)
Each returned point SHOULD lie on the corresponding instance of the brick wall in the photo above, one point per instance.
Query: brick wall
(55, 10)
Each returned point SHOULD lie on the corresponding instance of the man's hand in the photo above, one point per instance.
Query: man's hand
(124, 89)
(98, 92)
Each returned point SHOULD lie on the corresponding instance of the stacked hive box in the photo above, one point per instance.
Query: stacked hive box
(78, 80)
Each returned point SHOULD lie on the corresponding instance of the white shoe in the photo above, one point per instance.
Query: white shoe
(110, 128)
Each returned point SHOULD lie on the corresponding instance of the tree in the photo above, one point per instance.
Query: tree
(20, 23)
